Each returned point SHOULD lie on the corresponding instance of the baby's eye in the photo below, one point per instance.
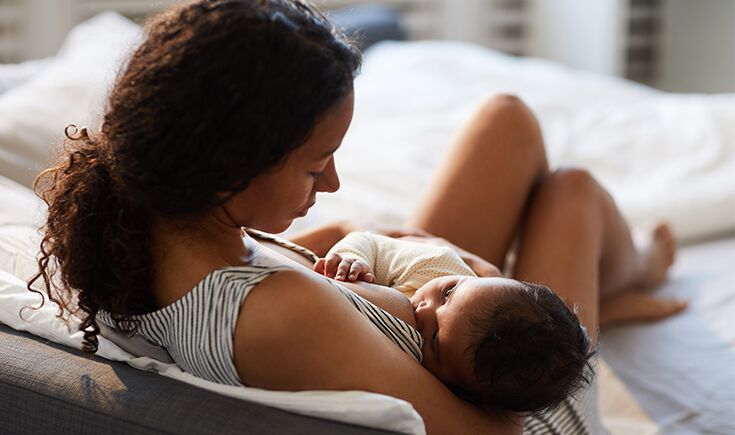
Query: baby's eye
(447, 291)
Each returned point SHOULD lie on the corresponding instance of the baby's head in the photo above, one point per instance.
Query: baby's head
(501, 343)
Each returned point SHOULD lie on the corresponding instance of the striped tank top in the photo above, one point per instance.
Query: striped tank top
(190, 329)
(197, 330)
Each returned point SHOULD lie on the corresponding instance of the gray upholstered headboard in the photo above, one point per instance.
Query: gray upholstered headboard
(49, 388)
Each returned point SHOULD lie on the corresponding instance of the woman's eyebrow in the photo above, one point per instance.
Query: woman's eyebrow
(329, 153)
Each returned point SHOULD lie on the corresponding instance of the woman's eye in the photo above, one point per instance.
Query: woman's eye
(314, 174)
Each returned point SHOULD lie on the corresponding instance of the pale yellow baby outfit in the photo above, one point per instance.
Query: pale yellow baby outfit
(401, 264)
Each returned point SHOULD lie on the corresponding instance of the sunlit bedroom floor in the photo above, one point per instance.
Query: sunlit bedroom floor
(681, 371)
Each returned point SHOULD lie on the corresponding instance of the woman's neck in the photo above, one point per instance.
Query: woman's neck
(184, 253)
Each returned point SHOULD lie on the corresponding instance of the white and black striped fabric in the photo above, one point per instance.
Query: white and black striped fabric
(576, 415)
(311, 256)
(197, 330)
(400, 332)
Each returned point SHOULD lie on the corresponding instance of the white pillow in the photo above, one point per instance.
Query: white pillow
(357, 407)
(15, 74)
(20, 213)
(18, 204)
(71, 90)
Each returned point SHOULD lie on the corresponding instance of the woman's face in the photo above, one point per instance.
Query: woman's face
(275, 198)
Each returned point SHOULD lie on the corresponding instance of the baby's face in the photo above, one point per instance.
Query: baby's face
(441, 307)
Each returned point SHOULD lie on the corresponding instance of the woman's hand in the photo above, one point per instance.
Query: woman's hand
(344, 268)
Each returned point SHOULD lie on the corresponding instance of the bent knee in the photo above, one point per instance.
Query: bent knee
(505, 103)
(571, 184)
(508, 115)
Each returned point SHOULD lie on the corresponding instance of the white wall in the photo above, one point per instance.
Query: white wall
(585, 34)
(698, 47)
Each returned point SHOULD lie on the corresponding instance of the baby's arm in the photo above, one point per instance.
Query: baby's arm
(350, 259)
(344, 268)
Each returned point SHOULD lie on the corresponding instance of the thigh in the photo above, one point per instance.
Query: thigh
(562, 240)
(480, 190)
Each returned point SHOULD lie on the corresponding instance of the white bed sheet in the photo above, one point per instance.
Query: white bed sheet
(663, 156)
(682, 371)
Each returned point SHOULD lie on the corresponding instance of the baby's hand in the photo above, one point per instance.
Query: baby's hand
(344, 269)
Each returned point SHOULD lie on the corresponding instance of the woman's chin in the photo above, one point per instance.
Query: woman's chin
(274, 227)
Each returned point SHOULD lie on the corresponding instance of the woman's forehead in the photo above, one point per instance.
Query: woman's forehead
(331, 129)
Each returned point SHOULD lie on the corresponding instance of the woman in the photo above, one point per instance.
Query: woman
(228, 116)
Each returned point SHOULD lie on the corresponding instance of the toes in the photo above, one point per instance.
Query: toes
(664, 237)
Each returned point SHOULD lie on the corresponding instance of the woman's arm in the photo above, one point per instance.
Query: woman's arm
(321, 239)
(316, 340)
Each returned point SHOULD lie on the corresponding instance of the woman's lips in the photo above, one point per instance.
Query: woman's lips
(305, 210)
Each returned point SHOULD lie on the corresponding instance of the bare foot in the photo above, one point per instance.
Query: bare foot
(634, 306)
(656, 255)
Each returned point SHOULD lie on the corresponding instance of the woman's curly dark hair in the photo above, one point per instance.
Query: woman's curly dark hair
(219, 92)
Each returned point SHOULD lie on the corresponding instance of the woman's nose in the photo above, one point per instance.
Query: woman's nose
(329, 180)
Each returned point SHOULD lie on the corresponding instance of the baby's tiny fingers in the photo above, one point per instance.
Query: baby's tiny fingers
(331, 263)
(319, 266)
(368, 277)
(358, 267)
(344, 268)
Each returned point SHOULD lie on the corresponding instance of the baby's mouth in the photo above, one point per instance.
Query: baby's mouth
(414, 303)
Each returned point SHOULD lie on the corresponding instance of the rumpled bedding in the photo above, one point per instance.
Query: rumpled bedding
(663, 156)
(356, 407)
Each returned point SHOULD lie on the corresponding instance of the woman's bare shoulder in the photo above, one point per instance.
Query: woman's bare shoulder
(297, 332)
(280, 317)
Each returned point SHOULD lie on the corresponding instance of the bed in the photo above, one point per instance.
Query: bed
(663, 156)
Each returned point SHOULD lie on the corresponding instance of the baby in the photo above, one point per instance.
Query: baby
(496, 342)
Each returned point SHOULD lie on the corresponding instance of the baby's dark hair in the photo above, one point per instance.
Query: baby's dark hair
(530, 352)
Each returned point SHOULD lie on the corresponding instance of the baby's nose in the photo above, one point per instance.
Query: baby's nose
(421, 313)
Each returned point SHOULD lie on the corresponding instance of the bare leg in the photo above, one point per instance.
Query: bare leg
(480, 192)
(575, 241)
(633, 305)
